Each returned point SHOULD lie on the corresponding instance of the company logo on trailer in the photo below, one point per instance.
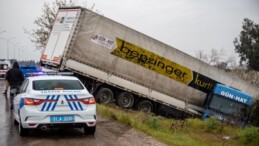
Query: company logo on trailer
(102, 40)
(161, 65)
(152, 61)
(231, 96)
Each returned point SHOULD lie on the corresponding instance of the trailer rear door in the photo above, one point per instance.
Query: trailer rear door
(63, 28)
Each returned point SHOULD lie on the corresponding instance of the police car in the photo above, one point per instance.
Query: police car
(45, 102)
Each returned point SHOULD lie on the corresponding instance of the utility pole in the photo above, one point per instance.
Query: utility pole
(15, 45)
(7, 42)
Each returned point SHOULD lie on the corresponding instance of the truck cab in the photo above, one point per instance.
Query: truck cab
(228, 105)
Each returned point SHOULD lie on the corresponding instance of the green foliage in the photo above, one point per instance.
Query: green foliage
(213, 125)
(247, 45)
(123, 118)
(195, 123)
(254, 110)
(250, 135)
(153, 122)
(175, 133)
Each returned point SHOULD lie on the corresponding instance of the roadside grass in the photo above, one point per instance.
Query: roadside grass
(189, 132)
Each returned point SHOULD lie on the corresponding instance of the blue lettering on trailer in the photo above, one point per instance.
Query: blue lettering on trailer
(233, 94)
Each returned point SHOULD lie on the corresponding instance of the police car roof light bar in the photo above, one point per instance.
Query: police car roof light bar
(60, 73)
(51, 73)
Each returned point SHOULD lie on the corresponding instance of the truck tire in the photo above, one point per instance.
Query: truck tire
(145, 106)
(125, 100)
(104, 95)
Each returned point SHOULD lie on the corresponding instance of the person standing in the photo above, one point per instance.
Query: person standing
(15, 78)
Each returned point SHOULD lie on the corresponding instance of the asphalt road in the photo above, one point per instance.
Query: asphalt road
(108, 133)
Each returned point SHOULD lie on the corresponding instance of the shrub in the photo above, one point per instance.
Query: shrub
(153, 122)
(250, 135)
(254, 109)
(213, 125)
(195, 123)
(123, 118)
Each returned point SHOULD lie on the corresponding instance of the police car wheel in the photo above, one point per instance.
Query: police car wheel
(89, 130)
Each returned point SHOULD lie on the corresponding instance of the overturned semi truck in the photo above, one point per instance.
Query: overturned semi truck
(117, 63)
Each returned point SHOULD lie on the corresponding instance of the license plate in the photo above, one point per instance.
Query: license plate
(55, 119)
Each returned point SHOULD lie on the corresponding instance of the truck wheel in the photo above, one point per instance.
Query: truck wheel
(89, 130)
(125, 100)
(104, 95)
(145, 106)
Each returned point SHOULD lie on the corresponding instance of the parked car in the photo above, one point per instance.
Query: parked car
(4, 66)
(45, 102)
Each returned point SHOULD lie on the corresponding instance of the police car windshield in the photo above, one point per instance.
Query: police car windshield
(57, 85)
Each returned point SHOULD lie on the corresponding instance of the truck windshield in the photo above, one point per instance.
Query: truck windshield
(227, 106)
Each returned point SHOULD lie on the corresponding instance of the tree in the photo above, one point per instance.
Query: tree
(254, 111)
(247, 45)
(217, 58)
(44, 23)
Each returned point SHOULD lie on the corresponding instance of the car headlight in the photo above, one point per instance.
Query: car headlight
(5, 66)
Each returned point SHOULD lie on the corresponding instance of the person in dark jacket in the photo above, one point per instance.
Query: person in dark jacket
(15, 78)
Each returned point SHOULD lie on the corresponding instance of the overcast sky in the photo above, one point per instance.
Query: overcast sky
(188, 25)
